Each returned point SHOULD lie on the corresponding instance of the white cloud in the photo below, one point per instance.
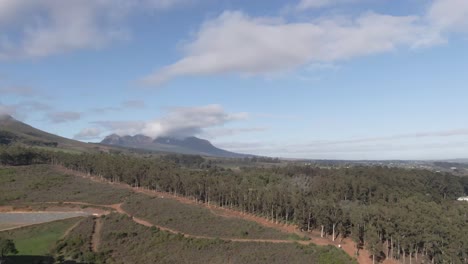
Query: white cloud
(121, 127)
(178, 122)
(189, 121)
(400, 146)
(125, 105)
(224, 131)
(43, 27)
(314, 4)
(449, 15)
(88, 133)
(237, 43)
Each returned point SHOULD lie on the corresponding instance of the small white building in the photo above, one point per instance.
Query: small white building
(463, 199)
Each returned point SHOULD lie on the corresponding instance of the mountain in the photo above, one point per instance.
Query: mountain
(189, 145)
(14, 131)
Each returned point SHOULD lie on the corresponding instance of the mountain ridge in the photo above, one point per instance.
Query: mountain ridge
(188, 145)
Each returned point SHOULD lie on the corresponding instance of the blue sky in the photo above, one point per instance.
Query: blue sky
(322, 79)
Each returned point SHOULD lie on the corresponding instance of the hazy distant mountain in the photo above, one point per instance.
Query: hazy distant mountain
(189, 145)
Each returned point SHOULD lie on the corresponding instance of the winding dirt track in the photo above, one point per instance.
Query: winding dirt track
(70, 229)
(346, 244)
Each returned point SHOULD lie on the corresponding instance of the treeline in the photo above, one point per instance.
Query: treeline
(395, 213)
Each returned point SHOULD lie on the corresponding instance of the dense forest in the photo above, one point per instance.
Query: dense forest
(395, 213)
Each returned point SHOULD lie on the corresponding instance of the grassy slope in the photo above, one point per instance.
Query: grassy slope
(38, 240)
(22, 185)
(76, 245)
(28, 133)
(128, 242)
(196, 220)
(42, 184)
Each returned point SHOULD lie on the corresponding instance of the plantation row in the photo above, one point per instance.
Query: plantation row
(397, 213)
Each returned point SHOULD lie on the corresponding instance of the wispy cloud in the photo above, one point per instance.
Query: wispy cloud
(277, 116)
(8, 109)
(43, 27)
(125, 105)
(420, 135)
(23, 109)
(402, 146)
(23, 91)
(89, 133)
(315, 4)
(121, 127)
(235, 42)
(224, 131)
(135, 104)
(63, 117)
(177, 122)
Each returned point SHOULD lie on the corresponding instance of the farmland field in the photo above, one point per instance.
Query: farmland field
(42, 183)
(39, 240)
(123, 241)
(196, 220)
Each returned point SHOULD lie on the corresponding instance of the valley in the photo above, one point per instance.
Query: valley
(313, 212)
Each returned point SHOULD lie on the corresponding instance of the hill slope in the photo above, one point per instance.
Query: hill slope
(14, 131)
(17, 132)
(189, 145)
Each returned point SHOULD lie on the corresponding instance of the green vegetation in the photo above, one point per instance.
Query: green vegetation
(195, 220)
(13, 131)
(39, 239)
(7, 247)
(40, 183)
(123, 241)
(394, 213)
(76, 245)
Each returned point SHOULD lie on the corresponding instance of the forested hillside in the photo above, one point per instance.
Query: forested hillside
(394, 213)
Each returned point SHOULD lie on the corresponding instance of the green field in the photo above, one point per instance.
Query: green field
(39, 240)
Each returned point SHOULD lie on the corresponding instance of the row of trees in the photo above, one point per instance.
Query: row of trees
(402, 214)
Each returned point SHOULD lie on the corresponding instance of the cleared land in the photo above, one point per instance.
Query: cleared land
(33, 184)
(30, 218)
(195, 220)
(122, 239)
(127, 242)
